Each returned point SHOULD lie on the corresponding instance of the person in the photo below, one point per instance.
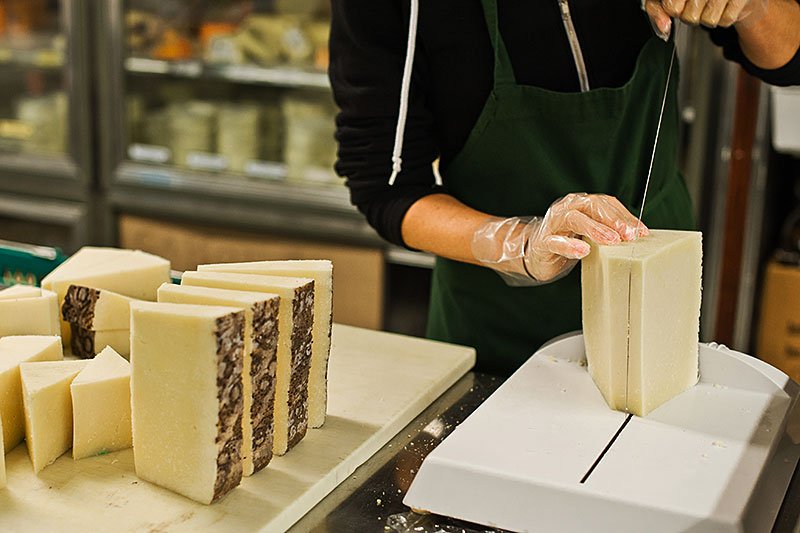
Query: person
(542, 115)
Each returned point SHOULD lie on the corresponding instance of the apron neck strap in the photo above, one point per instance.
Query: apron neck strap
(503, 71)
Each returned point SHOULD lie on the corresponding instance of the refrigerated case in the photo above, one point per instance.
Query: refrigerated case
(46, 168)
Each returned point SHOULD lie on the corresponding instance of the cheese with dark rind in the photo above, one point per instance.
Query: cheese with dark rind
(296, 318)
(96, 309)
(86, 343)
(187, 401)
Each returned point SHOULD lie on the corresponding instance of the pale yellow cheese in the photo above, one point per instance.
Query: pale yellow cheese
(29, 315)
(127, 272)
(81, 261)
(13, 351)
(259, 403)
(48, 408)
(186, 385)
(101, 406)
(96, 309)
(2, 459)
(643, 354)
(295, 322)
(321, 271)
(86, 343)
(15, 292)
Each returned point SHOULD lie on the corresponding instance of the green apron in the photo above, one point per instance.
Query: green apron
(529, 147)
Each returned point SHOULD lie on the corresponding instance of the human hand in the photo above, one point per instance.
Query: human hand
(710, 13)
(530, 251)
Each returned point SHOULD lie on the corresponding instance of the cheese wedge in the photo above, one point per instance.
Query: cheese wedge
(260, 362)
(101, 406)
(295, 321)
(96, 309)
(48, 408)
(29, 315)
(321, 271)
(187, 405)
(130, 273)
(86, 343)
(15, 292)
(2, 459)
(13, 351)
(86, 258)
(655, 283)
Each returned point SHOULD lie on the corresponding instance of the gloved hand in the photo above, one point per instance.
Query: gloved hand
(528, 251)
(711, 13)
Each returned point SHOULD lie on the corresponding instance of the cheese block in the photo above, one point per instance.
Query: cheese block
(127, 272)
(2, 459)
(48, 408)
(15, 292)
(96, 309)
(187, 400)
(101, 406)
(13, 351)
(641, 318)
(295, 320)
(86, 258)
(86, 343)
(321, 271)
(29, 315)
(260, 361)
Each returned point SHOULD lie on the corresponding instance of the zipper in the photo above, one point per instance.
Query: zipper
(575, 45)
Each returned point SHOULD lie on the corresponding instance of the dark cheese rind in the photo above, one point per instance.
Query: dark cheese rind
(301, 341)
(82, 342)
(79, 305)
(230, 360)
(262, 374)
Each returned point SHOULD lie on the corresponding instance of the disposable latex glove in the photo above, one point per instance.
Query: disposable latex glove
(529, 251)
(711, 13)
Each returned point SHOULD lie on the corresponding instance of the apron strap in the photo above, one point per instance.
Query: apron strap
(503, 71)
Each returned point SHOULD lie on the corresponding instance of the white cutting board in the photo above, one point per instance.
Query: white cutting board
(379, 382)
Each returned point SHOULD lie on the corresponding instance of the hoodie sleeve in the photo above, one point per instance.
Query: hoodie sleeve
(368, 45)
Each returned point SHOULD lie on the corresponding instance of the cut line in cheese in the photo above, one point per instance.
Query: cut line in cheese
(13, 351)
(321, 271)
(16, 292)
(187, 400)
(296, 317)
(48, 409)
(2, 459)
(96, 309)
(29, 315)
(260, 361)
(101, 406)
(655, 283)
(86, 343)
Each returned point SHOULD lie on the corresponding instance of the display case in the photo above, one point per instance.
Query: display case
(45, 131)
(222, 111)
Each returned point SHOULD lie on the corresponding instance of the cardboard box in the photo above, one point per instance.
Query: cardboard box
(779, 329)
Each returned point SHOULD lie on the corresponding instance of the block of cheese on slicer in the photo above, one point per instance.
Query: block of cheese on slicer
(641, 318)
(321, 271)
(28, 314)
(86, 343)
(13, 351)
(187, 400)
(48, 408)
(101, 406)
(15, 292)
(96, 309)
(260, 361)
(295, 322)
(130, 273)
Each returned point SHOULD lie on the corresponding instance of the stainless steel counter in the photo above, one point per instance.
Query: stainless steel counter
(371, 498)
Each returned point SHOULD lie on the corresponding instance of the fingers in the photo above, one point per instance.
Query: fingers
(713, 13)
(692, 11)
(733, 12)
(673, 8)
(628, 226)
(659, 17)
(568, 247)
(579, 223)
(609, 211)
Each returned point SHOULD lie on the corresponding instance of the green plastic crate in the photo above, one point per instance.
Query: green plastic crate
(27, 263)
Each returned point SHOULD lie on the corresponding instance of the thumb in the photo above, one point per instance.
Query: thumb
(661, 21)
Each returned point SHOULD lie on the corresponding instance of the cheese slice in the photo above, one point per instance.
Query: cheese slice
(653, 283)
(2, 459)
(30, 315)
(295, 320)
(187, 405)
(86, 343)
(86, 258)
(321, 271)
(96, 309)
(48, 408)
(130, 273)
(13, 351)
(15, 292)
(101, 406)
(260, 361)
